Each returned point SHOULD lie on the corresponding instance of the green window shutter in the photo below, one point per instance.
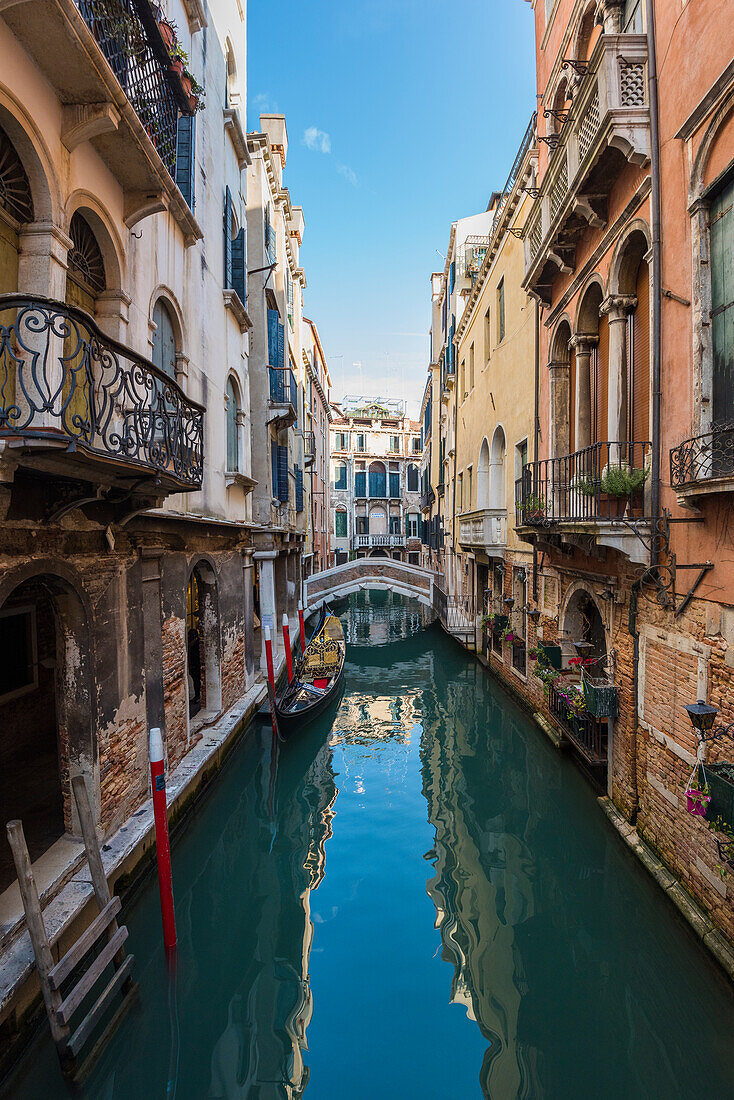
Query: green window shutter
(239, 266)
(340, 525)
(228, 238)
(186, 157)
(274, 466)
(394, 485)
(283, 481)
(299, 488)
(273, 337)
(721, 222)
(360, 483)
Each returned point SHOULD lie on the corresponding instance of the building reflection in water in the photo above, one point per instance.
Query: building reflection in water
(376, 617)
(482, 885)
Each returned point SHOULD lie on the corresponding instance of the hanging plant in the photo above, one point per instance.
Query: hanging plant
(697, 793)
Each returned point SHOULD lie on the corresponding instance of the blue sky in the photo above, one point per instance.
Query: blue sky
(402, 116)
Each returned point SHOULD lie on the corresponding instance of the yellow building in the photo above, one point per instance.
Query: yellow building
(491, 410)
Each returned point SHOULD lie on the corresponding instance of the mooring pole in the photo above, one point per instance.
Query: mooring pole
(271, 678)
(162, 844)
(287, 644)
(302, 626)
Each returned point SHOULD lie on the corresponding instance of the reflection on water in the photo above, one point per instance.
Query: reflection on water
(381, 618)
(416, 897)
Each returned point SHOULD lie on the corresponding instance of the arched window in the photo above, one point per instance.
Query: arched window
(233, 443)
(497, 470)
(85, 274)
(340, 475)
(378, 480)
(340, 523)
(231, 97)
(483, 476)
(164, 339)
(16, 201)
(412, 478)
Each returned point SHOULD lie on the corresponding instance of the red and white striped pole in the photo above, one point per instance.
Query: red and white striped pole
(162, 844)
(287, 644)
(271, 677)
(302, 626)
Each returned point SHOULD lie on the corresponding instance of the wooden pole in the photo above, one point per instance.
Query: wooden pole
(287, 644)
(37, 933)
(94, 856)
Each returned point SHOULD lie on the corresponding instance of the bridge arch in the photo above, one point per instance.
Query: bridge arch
(375, 573)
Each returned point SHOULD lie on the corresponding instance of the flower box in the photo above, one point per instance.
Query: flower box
(720, 779)
(518, 642)
(602, 698)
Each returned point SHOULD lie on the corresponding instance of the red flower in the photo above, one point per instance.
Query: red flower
(575, 661)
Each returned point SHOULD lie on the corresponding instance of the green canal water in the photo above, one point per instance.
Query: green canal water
(417, 897)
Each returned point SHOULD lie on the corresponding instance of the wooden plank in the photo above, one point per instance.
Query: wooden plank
(94, 1016)
(37, 932)
(85, 942)
(68, 1007)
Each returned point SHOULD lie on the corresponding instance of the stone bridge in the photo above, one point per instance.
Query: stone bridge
(383, 573)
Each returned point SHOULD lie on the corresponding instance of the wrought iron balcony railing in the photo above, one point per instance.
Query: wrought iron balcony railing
(283, 388)
(704, 459)
(601, 483)
(62, 381)
(587, 733)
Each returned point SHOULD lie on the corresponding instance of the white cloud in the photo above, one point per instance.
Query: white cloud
(318, 141)
(263, 103)
(349, 174)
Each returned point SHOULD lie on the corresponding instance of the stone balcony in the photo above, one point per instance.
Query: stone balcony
(485, 529)
(117, 90)
(382, 542)
(607, 126)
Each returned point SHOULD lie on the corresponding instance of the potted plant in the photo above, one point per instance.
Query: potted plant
(698, 796)
(195, 91)
(533, 509)
(166, 29)
(621, 484)
(179, 59)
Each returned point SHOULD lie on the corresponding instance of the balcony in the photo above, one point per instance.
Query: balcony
(601, 491)
(77, 404)
(309, 448)
(704, 464)
(608, 124)
(109, 66)
(427, 499)
(485, 529)
(587, 734)
(382, 542)
(283, 402)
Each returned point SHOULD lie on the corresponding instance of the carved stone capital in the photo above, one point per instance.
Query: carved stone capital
(556, 364)
(610, 13)
(617, 307)
(583, 342)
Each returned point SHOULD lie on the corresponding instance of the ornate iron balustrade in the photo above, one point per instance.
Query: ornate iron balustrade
(60, 376)
(587, 733)
(574, 488)
(283, 389)
(139, 68)
(704, 457)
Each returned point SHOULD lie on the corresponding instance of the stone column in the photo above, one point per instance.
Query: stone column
(268, 610)
(559, 374)
(583, 343)
(617, 308)
(611, 15)
(248, 616)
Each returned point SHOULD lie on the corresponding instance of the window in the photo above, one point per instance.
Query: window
(362, 525)
(298, 477)
(289, 295)
(360, 482)
(235, 251)
(378, 480)
(394, 525)
(340, 524)
(186, 157)
(501, 311)
(361, 446)
(469, 497)
(414, 557)
(452, 276)
(279, 469)
(412, 478)
(233, 449)
(340, 475)
(721, 221)
(395, 444)
(521, 458)
(487, 336)
(416, 445)
(411, 526)
(460, 491)
(17, 652)
(471, 367)
(269, 236)
(462, 380)
(394, 483)
(633, 17)
(164, 340)
(342, 441)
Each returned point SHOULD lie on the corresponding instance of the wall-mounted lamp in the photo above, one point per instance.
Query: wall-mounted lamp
(703, 716)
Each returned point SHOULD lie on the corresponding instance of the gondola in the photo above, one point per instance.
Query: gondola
(318, 679)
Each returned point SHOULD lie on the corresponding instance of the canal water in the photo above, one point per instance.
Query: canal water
(416, 897)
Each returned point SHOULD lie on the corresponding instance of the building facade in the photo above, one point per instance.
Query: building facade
(375, 481)
(278, 378)
(316, 452)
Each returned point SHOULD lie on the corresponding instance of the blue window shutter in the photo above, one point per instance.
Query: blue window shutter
(394, 485)
(281, 345)
(228, 238)
(299, 488)
(360, 483)
(273, 337)
(283, 485)
(239, 266)
(274, 466)
(452, 277)
(186, 157)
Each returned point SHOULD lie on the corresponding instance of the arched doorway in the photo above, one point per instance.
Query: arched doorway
(164, 339)
(202, 642)
(85, 280)
(45, 710)
(591, 370)
(582, 622)
(483, 476)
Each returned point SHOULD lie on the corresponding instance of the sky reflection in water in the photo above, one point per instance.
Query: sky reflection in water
(420, 899)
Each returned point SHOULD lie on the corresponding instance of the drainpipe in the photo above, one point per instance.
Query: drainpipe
(536, 431)
(655, 207)
(635, 635)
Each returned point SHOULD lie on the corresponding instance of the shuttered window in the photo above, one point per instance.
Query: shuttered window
(340, 525)
(233, 457)
(412, 478)
(239, 266)
(228, 237)
(722, 303)
(641, 358)
(283, 481)
(378, 481)
(274, 466)
(186, 157)
(394, 485)
(360, 483)
(298, 472)
(600, 395)
(273, 317)
(340, 475)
